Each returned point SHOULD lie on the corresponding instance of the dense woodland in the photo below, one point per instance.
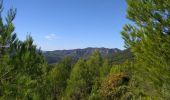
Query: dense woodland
(25, 75)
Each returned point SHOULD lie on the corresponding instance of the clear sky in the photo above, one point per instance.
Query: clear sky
(70, 24)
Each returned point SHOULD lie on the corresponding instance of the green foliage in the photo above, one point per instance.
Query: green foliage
(56, 80)
(105, 69)
(141, 72)
(85, 76)
(122, 56)
(149, 39)
(28, 59)
(21, 64)
(77, 87)
(94, 63)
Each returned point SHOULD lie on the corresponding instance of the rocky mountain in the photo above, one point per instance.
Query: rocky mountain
(58, 55)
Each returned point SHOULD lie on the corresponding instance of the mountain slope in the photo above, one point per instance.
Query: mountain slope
(122, 56)
(58, 55)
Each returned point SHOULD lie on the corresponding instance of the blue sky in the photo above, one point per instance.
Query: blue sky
(70, 24)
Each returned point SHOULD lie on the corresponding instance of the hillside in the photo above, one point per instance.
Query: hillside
(57, 55)
(117, 55)
(122, 56)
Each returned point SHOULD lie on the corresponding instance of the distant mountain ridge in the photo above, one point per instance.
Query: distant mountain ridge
(57, 55)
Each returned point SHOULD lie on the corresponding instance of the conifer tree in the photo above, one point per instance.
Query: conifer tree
(94, 64)
(21, 63)
(56, 80)
(149, 40)
(105, 69)
(84, 78)
(7, 40)
(77, 87)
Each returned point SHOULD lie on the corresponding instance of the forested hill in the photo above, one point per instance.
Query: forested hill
(57, 55)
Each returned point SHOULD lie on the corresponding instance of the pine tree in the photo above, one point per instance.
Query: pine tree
(149, 40)
(29, 66)
(56, 80)
(21, 64)
(27, 58)
(77, 87)
(7, 40)
(105, 69)
(84, 78)
(94, 64)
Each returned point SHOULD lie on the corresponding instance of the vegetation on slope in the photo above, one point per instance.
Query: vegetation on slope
(57, 55)
(139, 74)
